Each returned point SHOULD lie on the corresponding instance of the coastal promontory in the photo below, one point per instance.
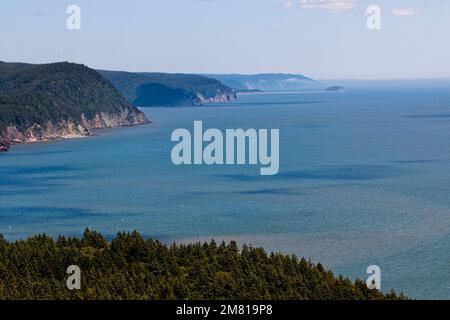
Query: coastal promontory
(58, 100)
(145, 89)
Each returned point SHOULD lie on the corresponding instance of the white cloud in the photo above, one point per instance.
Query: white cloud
(405, 12)
(335, 6)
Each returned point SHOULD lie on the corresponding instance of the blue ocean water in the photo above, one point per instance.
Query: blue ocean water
(364, 179)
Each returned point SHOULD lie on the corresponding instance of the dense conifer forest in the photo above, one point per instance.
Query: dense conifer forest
(131, 267)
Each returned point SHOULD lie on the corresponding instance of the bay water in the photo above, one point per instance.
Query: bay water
(364, 180)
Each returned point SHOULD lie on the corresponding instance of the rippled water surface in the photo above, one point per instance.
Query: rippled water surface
(364, 179)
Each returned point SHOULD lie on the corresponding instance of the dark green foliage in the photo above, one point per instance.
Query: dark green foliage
(131, 267)
(163, 89)
(55, 92)
(155, 94)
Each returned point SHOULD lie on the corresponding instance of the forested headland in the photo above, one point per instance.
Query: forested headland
(146, 89)
(52, 101)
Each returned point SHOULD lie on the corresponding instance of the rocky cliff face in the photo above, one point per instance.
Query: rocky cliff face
(70, 129)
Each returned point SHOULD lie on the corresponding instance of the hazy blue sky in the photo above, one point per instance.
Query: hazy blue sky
(319, 38)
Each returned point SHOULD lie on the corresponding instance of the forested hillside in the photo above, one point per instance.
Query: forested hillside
(52, 100)
(163, 89)
(131, 267)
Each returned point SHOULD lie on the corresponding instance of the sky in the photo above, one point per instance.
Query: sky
(322, 39)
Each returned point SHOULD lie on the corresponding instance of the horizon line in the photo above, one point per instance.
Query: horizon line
(426, 78)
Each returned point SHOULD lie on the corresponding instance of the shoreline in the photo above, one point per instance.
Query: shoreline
(70, 129)
(7, 148)
(283, 92)
(4, 149)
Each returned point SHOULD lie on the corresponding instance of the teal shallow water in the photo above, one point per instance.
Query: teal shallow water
(364, 179)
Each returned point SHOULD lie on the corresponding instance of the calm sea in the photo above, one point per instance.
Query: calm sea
(364, 179)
